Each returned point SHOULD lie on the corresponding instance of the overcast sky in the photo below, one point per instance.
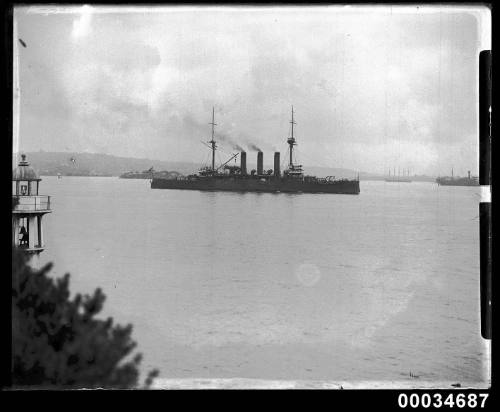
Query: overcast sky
(372, 88)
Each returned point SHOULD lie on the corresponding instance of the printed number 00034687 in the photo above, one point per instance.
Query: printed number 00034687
(436, 400)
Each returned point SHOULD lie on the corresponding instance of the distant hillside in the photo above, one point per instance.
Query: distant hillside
(95, 164)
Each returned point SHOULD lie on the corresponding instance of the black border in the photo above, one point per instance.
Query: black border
(372, 398)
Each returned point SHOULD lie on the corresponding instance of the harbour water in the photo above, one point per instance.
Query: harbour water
(383, 286)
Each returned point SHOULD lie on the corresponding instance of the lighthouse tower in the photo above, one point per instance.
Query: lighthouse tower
(28, 209)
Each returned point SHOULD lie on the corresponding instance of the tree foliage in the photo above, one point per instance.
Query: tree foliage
(58, 341)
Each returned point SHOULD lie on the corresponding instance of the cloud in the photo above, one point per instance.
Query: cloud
(369, 89)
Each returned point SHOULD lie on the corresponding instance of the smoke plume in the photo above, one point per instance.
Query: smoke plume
(254, 147)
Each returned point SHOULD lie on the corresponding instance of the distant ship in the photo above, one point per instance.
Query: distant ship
(400, 179)
(236, 179)
(458, 181)
(145, 174)
(59, 176)
(148, 174)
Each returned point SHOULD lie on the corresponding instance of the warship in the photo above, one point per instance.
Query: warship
(458, 181)
(235, 178)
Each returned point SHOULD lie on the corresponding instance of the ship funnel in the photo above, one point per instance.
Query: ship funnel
(469, 173)
(243, 163)
(277, 171)
(260, 163)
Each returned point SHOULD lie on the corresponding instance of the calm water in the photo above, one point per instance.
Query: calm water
(277, 286)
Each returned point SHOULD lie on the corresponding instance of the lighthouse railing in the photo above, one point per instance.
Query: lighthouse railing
(32, 203)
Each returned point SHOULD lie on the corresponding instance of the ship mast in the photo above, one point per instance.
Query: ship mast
(291, 142)
(212, 142)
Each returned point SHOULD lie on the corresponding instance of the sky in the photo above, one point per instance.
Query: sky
(373, 88)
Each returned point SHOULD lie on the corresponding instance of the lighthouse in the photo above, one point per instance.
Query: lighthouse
(28, 209)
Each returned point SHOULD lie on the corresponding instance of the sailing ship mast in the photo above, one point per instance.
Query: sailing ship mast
(291, 142)
(212, 142)
(293, 169)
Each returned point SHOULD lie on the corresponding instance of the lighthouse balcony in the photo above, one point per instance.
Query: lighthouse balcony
(32, 204)
(33, 249)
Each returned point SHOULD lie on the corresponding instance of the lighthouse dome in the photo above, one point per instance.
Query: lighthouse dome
(24, 171)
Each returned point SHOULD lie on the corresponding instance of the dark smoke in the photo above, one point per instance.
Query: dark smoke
(254, 147)
(223, 137)
(194, 125)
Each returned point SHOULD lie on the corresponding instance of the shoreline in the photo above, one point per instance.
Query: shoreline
(247, 383)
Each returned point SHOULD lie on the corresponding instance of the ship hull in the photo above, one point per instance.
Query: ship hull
(257, 185)
(457, 182)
